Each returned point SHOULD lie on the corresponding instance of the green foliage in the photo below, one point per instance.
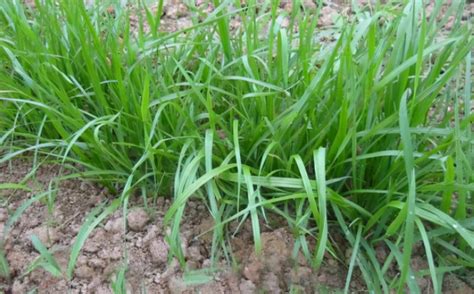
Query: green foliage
(333, 136)
(46, 260)
(118, 285)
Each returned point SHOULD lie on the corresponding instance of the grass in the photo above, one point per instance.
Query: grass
(334, 136)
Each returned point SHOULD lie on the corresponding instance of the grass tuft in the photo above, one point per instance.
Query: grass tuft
(335, 136)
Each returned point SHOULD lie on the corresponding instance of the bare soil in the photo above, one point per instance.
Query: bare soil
(143, 247)
(143, 250)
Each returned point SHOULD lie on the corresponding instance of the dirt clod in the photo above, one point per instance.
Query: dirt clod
(252, 271)
(176, 285)
(103, 289)
(84, 272)
(247, 286)
(271, 283)
(137, 219)
(48, 236)
(96, 263)
(114, 225)
(194, 253)
(158, 251)
(114, 253)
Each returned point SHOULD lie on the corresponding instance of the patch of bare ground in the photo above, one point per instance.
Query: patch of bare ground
(142, 248)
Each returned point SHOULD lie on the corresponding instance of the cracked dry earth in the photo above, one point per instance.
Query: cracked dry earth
(142, 247)
(144, 251)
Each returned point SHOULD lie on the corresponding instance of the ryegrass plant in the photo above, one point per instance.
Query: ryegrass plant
(334, 136)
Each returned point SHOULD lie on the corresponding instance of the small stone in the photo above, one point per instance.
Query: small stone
(84, 272)
(137, 219)
(159, 251)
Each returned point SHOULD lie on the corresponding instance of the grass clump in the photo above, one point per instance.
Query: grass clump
(333, 136)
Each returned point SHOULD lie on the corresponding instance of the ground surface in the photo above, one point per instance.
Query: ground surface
(144, 250)
(103, 253)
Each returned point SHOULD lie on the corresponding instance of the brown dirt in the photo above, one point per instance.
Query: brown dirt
(144, 243)
(144, 251)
